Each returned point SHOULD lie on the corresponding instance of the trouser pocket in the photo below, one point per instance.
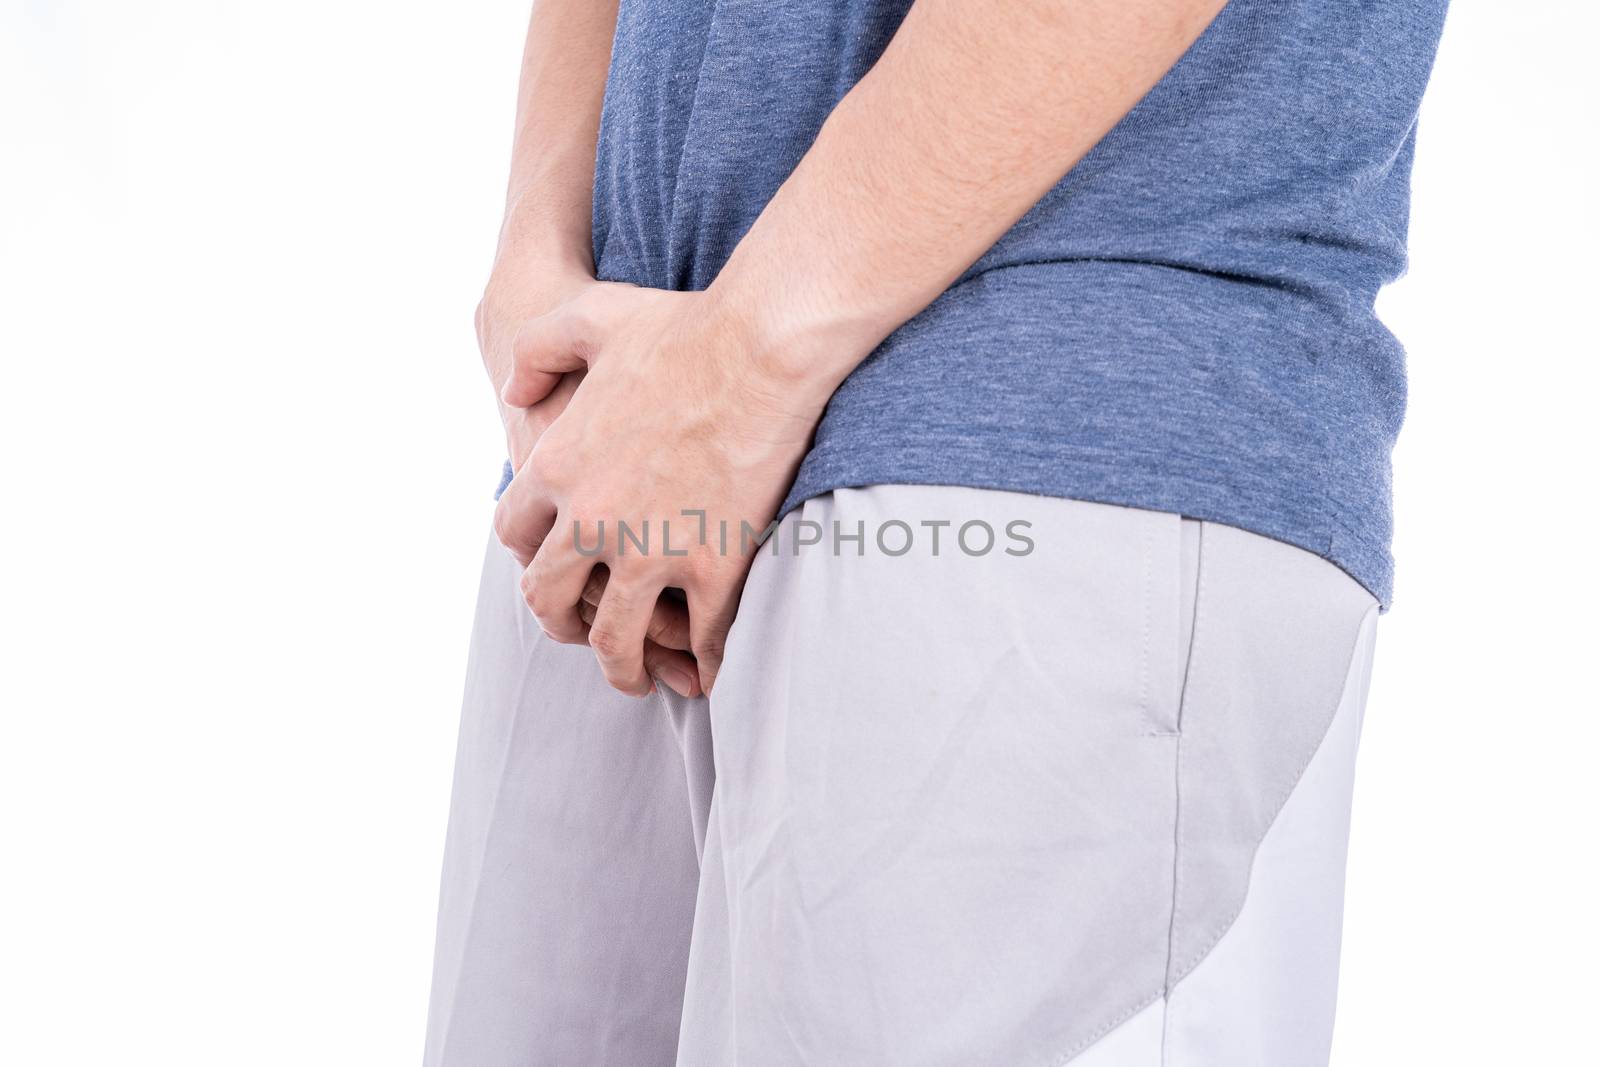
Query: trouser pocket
(1172, 565)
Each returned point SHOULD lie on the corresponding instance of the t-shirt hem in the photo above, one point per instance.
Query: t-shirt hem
(1096, 479)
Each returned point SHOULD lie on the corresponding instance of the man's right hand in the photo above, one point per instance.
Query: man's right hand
(519, 290)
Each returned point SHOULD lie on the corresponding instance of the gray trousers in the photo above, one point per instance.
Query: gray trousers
(1083, 803)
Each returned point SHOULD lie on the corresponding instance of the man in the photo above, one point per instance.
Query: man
(1047, 329)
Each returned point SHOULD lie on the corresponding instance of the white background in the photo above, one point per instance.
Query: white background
(247, 458)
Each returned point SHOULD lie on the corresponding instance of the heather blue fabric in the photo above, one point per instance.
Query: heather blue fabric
(1185, 323)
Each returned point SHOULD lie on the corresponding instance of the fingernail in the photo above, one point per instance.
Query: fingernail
(677, 679)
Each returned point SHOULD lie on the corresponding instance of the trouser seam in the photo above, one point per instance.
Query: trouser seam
(1222, 929)
(1190, 668)
(1163, 992)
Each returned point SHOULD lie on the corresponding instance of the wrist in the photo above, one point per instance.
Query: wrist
(537, 232)
(526, 269)
(792, 342)
(519, 288)
(531, 283)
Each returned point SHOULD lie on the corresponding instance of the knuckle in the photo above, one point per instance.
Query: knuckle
(542, 603)
(606, 642)
(509, 532)
(504, 530)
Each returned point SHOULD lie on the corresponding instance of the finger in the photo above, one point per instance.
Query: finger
(676, 670)
(617, 634)
(524, 515)
(669, 664)
(669, 624)
(711, 615)
(553, 585)
(545, 348)
(669, 621)
(593, 590)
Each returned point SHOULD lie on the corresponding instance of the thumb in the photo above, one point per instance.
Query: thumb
(545, 348)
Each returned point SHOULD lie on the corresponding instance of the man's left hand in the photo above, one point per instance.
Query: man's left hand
(669, 462)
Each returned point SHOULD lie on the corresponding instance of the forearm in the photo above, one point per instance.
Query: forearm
(970, 116)
(549, 195)
(545, 243)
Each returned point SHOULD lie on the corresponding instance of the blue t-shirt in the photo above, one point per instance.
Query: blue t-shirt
(1184, 323)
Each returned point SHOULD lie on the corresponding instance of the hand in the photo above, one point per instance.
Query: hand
(521, 288)
(679, 415)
